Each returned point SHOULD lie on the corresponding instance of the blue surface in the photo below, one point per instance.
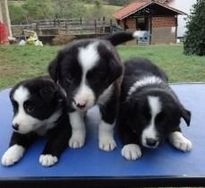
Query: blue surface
(91, 162)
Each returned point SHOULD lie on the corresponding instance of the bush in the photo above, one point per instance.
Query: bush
(62, 39)
(17, 14)
(195, 36)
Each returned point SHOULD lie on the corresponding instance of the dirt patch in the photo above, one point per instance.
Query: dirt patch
(7, 70)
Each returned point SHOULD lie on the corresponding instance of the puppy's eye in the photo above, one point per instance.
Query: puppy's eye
(68, 80)
(101, 74)
(15, 104)
(29, 107)
(134, 131)
(161, 116)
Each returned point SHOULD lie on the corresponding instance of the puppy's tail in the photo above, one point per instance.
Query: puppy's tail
(124, 36)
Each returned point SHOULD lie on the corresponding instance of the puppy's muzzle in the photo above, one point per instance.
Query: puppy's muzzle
(81, 105)
(152, 143)
(15, 127)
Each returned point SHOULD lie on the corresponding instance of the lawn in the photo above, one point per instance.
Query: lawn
(21, 62)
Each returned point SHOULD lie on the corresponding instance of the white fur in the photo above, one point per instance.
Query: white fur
(143, 82)
(25, 121)
(77, 139)
(150, 131)
(12, 155)
(88, 57)
(105, 96)
(84, 96)
(47, 160)
(180, 142)
(106, 140)
(131, 152)
(138, 34)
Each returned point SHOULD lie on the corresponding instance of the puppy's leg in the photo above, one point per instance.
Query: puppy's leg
(18, 145)
(131, 149)
(106, 128)
(106, 140)
(57, 143)
(180, 142)
(77, 139)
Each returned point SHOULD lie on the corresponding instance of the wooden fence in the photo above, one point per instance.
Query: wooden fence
(52, 27)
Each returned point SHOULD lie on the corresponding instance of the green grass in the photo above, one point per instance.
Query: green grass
(180, 68)
(21, 62)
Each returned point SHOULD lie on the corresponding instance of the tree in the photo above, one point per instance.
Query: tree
(68, 8)
(117, 2)
(195, 35)
(17, 14)
(37, 9)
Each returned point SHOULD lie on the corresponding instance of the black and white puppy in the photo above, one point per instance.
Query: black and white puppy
(39, 109)
(150, 111)
(90, 72)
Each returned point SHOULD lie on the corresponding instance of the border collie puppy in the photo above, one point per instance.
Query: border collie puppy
(39, 109)
(150, 111)
(90, 72)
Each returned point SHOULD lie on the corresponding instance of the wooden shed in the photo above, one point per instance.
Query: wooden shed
(158, 19)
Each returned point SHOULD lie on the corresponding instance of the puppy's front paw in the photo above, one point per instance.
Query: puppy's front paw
(47, 160)
(12, 155)
(180, 142)
(107, 143)
(77, 141)
(131, 152)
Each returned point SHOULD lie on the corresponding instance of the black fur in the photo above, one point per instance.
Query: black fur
(119, 37)
(135, 113)
(45, 99)
(66, 70)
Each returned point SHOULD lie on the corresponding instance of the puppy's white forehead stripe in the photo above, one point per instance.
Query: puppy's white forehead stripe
(155, 108)
(88, 56)
(21, 94)
(144, 82)
(155, 105)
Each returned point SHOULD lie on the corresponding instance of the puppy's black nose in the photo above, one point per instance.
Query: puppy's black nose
(151, 142)
(81, 106)
(15, 126)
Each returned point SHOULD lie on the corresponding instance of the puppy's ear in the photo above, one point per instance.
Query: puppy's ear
(116, 70)
(111, 58)
(54, 67)
(186, 115)
(48, 93)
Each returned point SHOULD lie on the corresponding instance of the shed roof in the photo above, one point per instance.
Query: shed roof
(136, 6)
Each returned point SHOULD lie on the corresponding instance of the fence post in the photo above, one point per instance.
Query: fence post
(37, 28)
(111, 26)
(95, 24)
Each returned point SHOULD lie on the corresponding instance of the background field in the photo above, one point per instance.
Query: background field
(21, 62)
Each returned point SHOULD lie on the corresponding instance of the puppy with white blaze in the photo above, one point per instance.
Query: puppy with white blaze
(150, 111)
(39, 109)
(90, 72)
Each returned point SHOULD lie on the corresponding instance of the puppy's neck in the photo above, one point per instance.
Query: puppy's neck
(145, 81)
